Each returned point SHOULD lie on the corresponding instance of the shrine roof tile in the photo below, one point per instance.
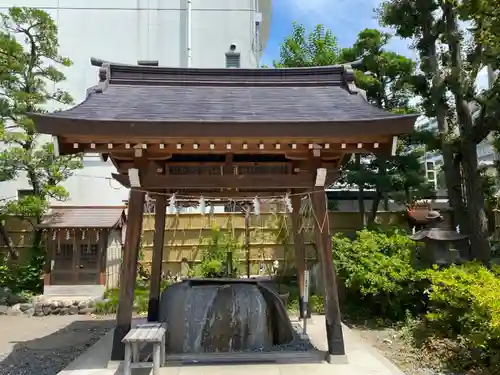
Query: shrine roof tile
(157, 94)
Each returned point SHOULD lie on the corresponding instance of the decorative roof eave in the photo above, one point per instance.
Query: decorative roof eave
(84, 217)
(224, 72)
(59, 126)
(438, 234)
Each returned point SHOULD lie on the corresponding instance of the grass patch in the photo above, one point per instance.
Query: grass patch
(141, 299)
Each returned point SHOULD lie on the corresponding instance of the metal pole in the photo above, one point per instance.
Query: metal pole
(247, 238)
(306, 300)
(189, 31)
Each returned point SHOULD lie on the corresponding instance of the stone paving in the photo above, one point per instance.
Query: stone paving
(46, 345)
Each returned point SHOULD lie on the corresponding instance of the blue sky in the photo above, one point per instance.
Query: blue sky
(346, 18)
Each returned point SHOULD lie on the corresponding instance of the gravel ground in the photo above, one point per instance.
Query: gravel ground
(298, 344)
(46, 345)
(392, 345)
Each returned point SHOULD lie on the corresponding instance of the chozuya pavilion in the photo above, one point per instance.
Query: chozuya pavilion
(224, 133)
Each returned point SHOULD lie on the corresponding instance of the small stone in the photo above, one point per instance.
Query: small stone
(46, 310)
(25, 306)
(56, 311)
(86, 311)
(387, 341)
(73, 310)
(30, 312)
(76, 303)
(64, 311)
(38, 312)
(61, 304)
(3, 309)
(83, 304)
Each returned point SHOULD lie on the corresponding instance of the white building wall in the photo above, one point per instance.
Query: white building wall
(126, 31)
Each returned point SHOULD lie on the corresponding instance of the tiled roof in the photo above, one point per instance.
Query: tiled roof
(232, 104)
(150, 93)
(84, 217)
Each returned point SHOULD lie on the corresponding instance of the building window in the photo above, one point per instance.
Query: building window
(23, 193)
(232, 60)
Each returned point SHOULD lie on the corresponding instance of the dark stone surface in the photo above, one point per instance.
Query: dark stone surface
(278, 321)
(153, 309)
(334, 338)
(118, 349)
(303, 307)
(222, 315)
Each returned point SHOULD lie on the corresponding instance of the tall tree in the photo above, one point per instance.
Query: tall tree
(384, 76)
(29, 69)
(300, 49)
(451, 59)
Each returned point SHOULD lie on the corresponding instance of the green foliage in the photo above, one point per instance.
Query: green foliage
(378, 274)
(464, 307)
(22, 276)
(451, 57)
(29, 69)
(386, 78)
(141, 299)
(214, 249)
(317, 304)
(464, 304)
(318, 48)
(384, 75)
(28, 74)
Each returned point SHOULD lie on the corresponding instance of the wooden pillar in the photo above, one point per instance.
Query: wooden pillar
(332, 309)
(156, 265)
(300, 251)
(128, 273)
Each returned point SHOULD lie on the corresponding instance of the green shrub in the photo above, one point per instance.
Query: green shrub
(316, 304)
(141, 298)
(22, 276)
(377, 271)
(464, 305)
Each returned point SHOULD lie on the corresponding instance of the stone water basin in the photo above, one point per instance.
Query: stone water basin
(223, 315)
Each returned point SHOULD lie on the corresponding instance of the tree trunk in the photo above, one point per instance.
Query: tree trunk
(478, 221)
(7, 241)
(361, 197)
(451, 171)
(374, 210)
(453, 180)
(478, 224)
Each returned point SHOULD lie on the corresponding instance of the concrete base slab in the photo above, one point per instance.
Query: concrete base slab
(336, 359)
(361, 359)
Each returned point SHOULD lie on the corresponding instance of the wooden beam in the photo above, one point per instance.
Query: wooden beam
(128, 273)
(156, 181)
(159, 149)
(334, 335)
(156, 264)
(300, 251)
(226, 196)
